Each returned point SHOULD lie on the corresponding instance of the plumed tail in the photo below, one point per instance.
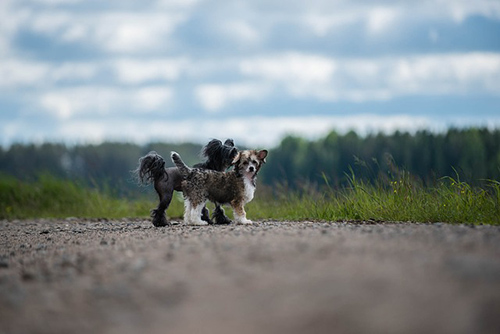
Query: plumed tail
(183, 168)
(151, 168)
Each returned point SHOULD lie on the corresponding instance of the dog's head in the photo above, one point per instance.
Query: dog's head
(219, 156)
(249, 161)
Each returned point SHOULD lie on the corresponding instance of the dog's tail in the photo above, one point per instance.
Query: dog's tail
(183, 168)
(151, 168)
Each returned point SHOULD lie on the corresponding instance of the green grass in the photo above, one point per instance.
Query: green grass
(401, 199)
(405, 199)
(49, 197)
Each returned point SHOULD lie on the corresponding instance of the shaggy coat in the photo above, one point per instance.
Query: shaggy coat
(235, 187)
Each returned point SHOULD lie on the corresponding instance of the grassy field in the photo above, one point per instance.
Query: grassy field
(403, 199)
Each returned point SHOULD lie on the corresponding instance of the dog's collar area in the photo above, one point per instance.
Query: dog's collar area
(252, 179)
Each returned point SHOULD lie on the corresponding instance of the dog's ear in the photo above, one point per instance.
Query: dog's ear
(234, 151)
(261, 155)
(229, 142)
(236, 158)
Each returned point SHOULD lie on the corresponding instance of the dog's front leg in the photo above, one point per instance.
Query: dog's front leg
(240, 216)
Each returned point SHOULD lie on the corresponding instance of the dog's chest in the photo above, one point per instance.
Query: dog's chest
(249, 190)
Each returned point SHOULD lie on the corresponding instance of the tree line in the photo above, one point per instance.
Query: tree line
(473, 154)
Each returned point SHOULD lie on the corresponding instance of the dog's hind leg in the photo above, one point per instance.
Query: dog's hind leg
(219, 216)
(192, 213)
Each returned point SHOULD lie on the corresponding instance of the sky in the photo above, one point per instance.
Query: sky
(87, 71)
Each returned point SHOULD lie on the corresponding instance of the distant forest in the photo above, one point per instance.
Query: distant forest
(471, 154)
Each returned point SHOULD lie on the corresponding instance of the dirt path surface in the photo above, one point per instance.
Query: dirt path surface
(77, 276)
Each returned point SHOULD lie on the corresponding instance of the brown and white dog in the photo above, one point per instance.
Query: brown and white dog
(235, 187)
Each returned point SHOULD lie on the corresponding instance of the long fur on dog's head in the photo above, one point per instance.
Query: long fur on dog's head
(219, 156)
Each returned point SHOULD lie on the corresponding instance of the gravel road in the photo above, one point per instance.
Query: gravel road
(100, 276)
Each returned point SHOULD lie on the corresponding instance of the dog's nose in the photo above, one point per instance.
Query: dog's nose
(251, 168)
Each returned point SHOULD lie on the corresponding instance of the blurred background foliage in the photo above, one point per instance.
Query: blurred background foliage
(472, 154)
(430, 177)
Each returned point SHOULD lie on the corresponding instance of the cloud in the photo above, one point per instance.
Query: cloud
(240, 31)
(214, 97)
(130, 32)
(472, 73)
(462, 9)
(360, 80)
(76, 60)
(135, 32)
(263, 132)
(68, 103)
(322, 23)
(19, 73)
(375, 19)
(290, 67)
(258, 78)
(323, 17)
(381, 18)
(132, 71)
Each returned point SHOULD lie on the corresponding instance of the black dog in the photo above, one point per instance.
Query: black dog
(152, 170)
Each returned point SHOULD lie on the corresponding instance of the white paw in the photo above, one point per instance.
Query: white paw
(244, 221)
(198, 222)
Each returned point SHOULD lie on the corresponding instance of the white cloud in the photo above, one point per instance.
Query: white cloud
(57, 2)
(360, 80)
(290, 67)
(252, 131)
(50, 22)
(152, 98)
(35, 74)
(135, 32)
(111, 31)
(16, 73)
(460, 10)
(241, 32)
(177, 4)
(322, 23)
(470, 73)
(134, 71)
(263, 131)
(70, 102)
(214, 97)
(381, 18)
(300, 76)
(73, 71)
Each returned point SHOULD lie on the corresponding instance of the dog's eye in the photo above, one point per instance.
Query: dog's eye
(254, 162)
(245, 162)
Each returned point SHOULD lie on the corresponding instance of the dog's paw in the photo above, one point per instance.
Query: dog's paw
(198, 223)
(222, 220)
(159, 220)
(245, 221)
(161, 223)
